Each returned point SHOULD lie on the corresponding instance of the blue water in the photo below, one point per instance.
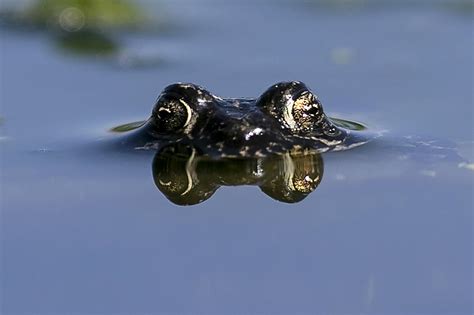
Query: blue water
(84, 230)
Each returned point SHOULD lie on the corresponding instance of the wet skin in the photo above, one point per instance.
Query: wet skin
(286, 117)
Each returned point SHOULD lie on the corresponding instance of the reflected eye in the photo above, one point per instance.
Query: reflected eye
(305, 111)
(171, 114)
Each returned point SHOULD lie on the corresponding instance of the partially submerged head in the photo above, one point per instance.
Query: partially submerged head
(286, 116)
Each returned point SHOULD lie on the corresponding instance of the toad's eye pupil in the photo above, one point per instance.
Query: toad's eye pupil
(313, 110)
(306, 112)
(164, 114)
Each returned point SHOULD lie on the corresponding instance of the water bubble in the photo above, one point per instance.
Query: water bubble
(72, 19)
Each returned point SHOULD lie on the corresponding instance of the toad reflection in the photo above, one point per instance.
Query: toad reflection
(187, 178)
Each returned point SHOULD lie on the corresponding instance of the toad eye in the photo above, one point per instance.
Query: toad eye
(294, 106)
(305, 111)
(171, 114)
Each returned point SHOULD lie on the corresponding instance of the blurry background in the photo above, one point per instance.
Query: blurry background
(404, 65)
(88, 233)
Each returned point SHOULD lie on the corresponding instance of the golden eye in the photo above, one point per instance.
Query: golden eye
(306, 111)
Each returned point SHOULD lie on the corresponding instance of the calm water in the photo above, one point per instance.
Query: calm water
(389, 229)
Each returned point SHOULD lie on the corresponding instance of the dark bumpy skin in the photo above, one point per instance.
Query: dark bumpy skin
(287, 116)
